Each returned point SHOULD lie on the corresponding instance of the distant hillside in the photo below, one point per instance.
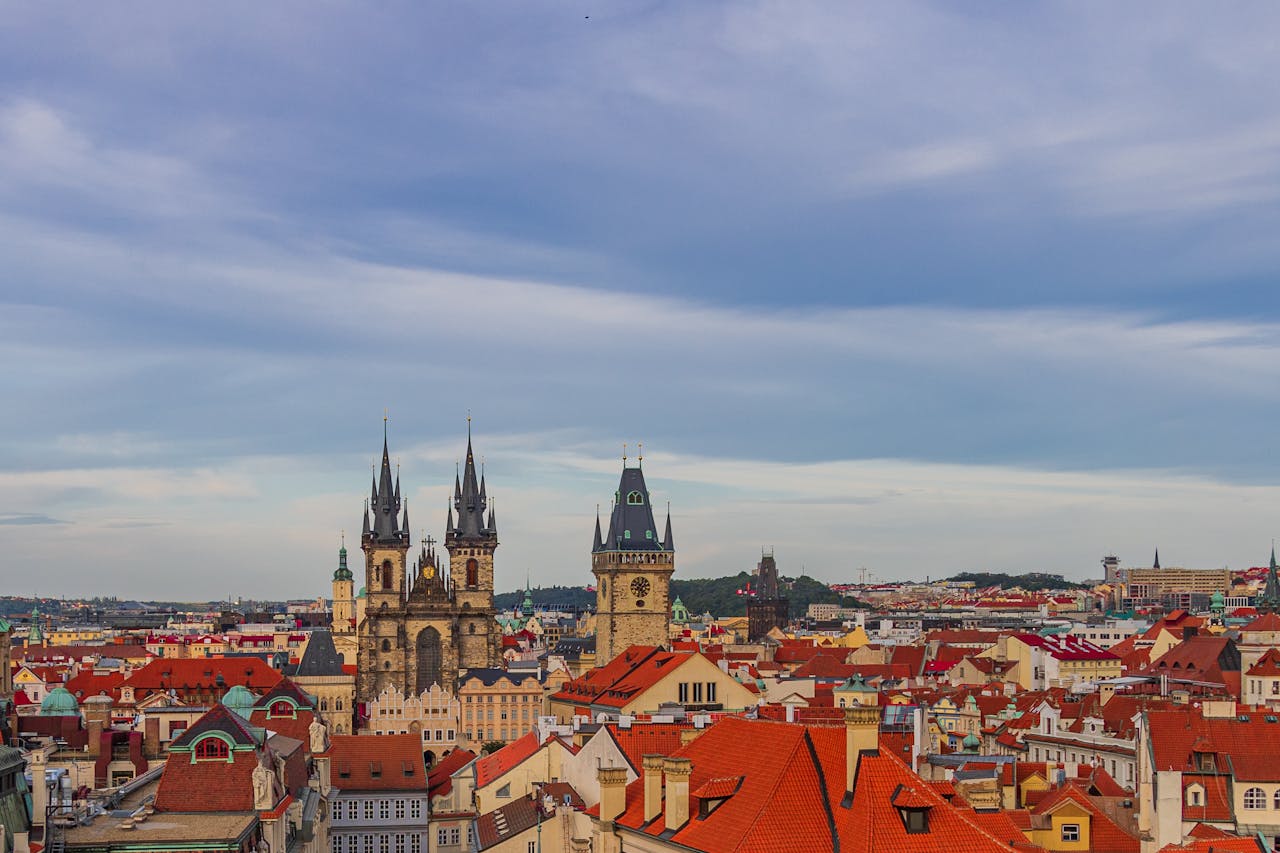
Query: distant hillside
(1031, 581)
(719, 596)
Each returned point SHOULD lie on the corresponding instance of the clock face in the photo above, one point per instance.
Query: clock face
(640, 587)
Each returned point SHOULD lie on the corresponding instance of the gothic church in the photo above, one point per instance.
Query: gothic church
(421, 627)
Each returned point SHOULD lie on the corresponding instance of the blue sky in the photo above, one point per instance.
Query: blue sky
(911, 286)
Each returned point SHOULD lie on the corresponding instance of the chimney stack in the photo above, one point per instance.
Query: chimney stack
(652, 786)
(861, 734)
(678, 771)
(613, 791)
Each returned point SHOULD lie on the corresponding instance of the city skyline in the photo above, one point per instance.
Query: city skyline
(917, 289)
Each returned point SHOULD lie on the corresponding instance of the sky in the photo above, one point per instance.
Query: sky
(911, 287)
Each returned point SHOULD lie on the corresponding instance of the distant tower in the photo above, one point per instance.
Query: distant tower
(1111, 568)
(767, 610)
(344, 599)
(633, 569)
(35, 636)
(1269, 600)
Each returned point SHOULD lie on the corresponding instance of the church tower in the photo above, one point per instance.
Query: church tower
(471, 540)
(633, 570)
(385, 542)
(344, 599)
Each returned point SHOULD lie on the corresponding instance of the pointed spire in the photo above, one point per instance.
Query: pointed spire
(404, 525)
(448, 525)
(366, 519)
(1156, 564)
(493, 521)
(385, 501)
(668, 544)
(469, 500)
(598, 545)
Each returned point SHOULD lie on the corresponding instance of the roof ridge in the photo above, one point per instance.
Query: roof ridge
(767, 800)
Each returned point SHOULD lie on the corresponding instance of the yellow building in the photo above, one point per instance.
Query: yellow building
(497, 705)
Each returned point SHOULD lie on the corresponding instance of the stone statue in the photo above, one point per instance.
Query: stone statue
(318, 734)
(263, 785)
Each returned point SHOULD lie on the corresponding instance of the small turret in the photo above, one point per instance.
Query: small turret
(343, 573)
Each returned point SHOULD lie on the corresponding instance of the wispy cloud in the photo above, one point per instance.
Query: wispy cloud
(20, 519)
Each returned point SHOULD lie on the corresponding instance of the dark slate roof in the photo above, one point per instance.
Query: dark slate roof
(470, 501)
(221, 719)
(321, 657)
(573, 648)
(492, 676)
(631, 525)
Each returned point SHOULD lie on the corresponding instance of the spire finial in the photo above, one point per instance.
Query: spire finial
(624, 453)
(640, 455)
(343, 534)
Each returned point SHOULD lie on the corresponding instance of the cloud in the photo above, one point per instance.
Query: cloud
(25, 518)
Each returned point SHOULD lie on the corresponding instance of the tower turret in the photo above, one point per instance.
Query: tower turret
(344, 603)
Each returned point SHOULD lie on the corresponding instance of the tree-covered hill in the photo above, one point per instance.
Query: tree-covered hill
(1031, 581)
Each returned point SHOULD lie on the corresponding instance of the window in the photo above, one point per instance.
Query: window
(1071, 832)
(635, 499)
(683, 693)
(386, 584)
(626, 534)
(415, 808)
(505, 791)
(400, 814)
(455, 835)
(697, 692)
(1255, 799)
(442, 837)
(399, 842)
(533, 847)
(281, 709)
(473, 572)
(711, 691)
(415, 843)
(368, 809)
(367, 845)
(384, 843)
(1276, 799)
(212, 749)
(384, 811)
(916, 821)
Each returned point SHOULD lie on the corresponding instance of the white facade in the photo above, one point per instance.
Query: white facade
(434, 714)
(378, 822)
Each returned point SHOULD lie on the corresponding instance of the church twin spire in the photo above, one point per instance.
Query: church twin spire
(390, 515)
(470, 501)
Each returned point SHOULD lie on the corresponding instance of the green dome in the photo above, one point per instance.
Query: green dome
(59, 703)
(343, 573)
(1218, 600)
(362, 593)
(971, 741)
(240, 700)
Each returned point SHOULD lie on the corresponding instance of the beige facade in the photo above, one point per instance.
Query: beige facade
(1176, 579)
(498, 706)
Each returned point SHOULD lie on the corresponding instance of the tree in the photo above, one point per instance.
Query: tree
(491, 746)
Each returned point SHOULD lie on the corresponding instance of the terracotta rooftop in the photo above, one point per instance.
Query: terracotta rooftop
(377, 763)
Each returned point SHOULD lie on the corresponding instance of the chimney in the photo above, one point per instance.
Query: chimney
(652, 786)
(39, 790)
(1188, 632)
(861, 734)
(151, 735)
(1105, 692)
(688, 736)
(678, 771)
(94, 745)
(613, 791)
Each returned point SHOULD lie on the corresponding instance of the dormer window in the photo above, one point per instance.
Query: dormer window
(635, 499)
(916, 821)
(1207, 764)
(212, 749)
(281, 709)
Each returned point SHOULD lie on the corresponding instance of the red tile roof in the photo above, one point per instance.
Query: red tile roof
(1066, 647)
(440, 779)
(790, 797)
(377, 763)
(640, 740)
(1268, 664)
(211, 786)
(201, 674)
(1105, 835)
(497, 763)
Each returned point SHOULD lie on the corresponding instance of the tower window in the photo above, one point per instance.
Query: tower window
(635, 499)
(473, 572)
(386, 574)
(626, 534)
(648, 534)
(386, 645)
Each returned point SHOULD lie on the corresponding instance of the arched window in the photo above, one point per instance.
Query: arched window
(337, 704)
(635, 499)
(1276, 799)
(212, 749)
(386, 645)
(281, 709)
(386, 574)
(1255, 799)
(473, 572)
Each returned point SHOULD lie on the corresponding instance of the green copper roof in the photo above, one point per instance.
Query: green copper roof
(59, 703)
(343, 573)
(855, 684)
(971, 741)
(240, 700)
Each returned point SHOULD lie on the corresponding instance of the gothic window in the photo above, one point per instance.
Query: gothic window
(635, 499)
(429, 658)
(212, 749)
(386, 574)
(473, 572)
(386, 645)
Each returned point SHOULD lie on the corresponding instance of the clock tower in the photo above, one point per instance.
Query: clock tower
(633, 568)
